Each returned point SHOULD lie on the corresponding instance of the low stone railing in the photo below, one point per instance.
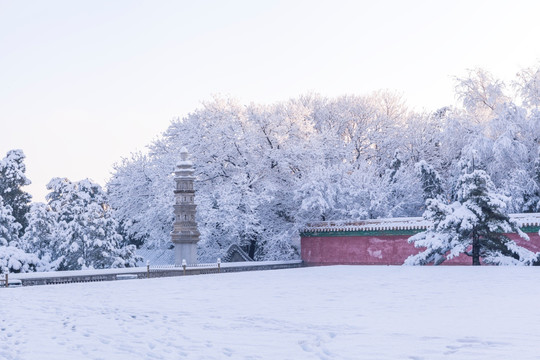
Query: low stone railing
(149, 271)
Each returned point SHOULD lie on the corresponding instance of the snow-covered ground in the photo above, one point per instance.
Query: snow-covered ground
(341, 312)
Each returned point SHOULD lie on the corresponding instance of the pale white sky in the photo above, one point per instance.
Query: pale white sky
(84, 83)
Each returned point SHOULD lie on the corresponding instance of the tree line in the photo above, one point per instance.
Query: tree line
(266, 170)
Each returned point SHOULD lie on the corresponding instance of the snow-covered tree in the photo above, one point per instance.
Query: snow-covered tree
(522, 191)
(86, 231)
(12, 179)
(137, 192)
(475, 225)
(396, 192)
(9, 228)
(528, 85)
(480, 93)
(533, 201)
(12, 258)
(39, 237)
(335, 193)
(430, 180)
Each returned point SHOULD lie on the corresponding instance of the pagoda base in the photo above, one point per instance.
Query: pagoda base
(185, 251)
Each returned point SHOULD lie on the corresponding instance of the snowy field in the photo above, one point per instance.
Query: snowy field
(341, 312)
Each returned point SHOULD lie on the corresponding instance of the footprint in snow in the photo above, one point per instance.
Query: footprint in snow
(305, 346)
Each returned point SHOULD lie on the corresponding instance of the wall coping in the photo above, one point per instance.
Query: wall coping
(80, 276)
(403, 224)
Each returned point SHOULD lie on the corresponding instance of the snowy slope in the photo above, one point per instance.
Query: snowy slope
(341, 312)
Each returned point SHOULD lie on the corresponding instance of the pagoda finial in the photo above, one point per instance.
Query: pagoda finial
(183, 153)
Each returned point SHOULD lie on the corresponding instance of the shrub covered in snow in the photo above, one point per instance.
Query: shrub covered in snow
(15, 260)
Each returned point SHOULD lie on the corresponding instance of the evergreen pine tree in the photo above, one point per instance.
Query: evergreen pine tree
(475, 225)
(394, 167)
(429, 179)
(9, 228)
(12, 179)
(532, 200)
(39, 236)
(85, 235)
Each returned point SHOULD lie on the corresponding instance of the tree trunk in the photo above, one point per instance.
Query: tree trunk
(476, 250)
(252, 245)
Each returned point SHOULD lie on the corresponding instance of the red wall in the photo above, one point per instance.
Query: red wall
(378, 250)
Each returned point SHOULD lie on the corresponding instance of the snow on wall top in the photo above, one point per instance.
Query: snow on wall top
(403, 223)
(524, 220)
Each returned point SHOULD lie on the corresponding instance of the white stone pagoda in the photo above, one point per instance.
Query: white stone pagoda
(185, 234)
